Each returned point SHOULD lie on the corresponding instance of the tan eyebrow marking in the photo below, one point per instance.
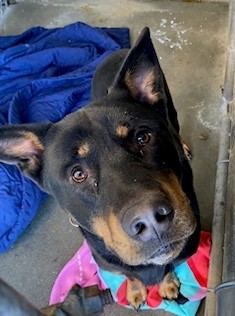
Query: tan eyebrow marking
(122, 131)
(84, 150)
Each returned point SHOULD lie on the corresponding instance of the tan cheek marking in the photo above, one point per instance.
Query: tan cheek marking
(115, 238)
(183, 212)
(170, 185)
(122, 131)
(84, 150)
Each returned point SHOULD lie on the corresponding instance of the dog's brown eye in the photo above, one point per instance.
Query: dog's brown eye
(78, 175)
(143, 138)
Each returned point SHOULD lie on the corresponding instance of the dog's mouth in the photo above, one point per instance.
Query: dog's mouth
(162, 256)
(165, 249)
(166, 253)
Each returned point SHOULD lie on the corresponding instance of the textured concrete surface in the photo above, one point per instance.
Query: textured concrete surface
(190, 38)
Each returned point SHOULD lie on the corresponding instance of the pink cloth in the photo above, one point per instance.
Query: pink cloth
(81, 270)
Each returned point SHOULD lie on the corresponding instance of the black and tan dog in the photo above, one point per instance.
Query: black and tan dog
(118, 166)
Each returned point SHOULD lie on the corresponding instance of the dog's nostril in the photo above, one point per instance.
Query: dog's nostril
(138, 228)
(160, 218)
(163, 213)
(164, 210)
(142, 229)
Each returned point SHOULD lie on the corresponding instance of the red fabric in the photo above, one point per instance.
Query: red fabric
(121, 294)
(199, 262)
(153, 298)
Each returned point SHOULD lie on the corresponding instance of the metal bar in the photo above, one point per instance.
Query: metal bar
(229, 239)
(223, 170)
(225, 292)
(230, 63)
(216, 261)
(226, 295)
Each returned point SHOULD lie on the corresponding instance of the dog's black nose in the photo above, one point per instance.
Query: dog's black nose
(148, 224)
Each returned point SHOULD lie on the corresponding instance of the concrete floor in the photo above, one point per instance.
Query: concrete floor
(190, 38)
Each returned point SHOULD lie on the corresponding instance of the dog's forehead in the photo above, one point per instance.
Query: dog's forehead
(92, 122)
(120, 112)
(85, 130)
(98, 126)
(96, 120)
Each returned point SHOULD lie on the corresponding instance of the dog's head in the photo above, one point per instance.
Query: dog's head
(116, 165)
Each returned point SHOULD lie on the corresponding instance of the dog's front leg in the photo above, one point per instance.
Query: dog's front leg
(136, 293)
(169, 287)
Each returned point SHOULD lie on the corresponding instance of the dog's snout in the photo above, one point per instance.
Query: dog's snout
(148, 224)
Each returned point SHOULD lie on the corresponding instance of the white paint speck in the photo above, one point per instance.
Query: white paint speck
(172, 33)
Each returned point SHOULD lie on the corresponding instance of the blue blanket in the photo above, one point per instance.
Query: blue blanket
(44, 75)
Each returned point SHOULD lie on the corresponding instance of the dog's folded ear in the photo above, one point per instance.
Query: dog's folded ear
(23, 145)
(141, 73)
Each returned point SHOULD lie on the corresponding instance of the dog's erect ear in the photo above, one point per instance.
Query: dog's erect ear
(23, 145)
(141, 73)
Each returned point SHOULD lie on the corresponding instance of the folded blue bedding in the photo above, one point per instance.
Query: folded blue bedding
(45, 74)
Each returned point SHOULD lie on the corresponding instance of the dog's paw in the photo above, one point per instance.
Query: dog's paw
(136, 293)
(169, 287)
